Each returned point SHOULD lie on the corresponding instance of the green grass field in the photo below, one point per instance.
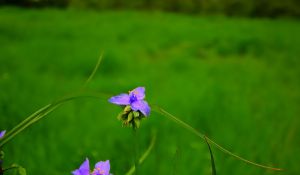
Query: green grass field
(236, 80)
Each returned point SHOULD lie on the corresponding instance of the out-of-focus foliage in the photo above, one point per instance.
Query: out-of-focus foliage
(252, 8)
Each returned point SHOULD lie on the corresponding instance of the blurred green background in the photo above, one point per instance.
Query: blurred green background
(236, 79)
(252, 8)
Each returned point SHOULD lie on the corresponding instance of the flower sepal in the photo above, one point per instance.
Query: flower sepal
(131, 118)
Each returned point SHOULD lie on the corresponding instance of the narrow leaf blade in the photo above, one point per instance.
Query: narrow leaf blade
(213, 166)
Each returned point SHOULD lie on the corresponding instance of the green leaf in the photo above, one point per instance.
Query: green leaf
(213, 167)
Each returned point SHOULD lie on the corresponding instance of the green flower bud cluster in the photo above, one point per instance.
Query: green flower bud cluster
(131, 118)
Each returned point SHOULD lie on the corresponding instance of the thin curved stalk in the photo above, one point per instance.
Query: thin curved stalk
(25, 125)
(26, 120)
(10, 168)
(44, 111)
(94, 71)
(144, 156)
(202, 136)
(212, 160)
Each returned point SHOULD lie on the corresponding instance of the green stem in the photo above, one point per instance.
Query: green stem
(25, 125)
(26, 120)
(94, 71)
(10, 168)
(136, 150)
(212, 160)
(202, 136)
(34, 117)
(144, 156)
(44, 111)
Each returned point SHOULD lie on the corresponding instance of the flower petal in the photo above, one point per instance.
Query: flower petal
(84, 168)
(103, 167)
(122, 99)
(138, 92)
(2, 133)
(142, 106)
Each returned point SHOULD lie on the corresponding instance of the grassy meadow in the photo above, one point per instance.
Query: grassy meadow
(234, 79)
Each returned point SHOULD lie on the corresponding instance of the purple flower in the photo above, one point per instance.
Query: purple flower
(2, 133)
(135, 99)
(101, 168)
(84, 168)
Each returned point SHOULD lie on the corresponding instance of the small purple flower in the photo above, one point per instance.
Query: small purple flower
(101, 168)
(135, 99)
(84, 168)
(2, 133)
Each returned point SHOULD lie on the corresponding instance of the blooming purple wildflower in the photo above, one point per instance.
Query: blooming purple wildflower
(101, 168)
(2, 133)
(84, 168)
(135, 99)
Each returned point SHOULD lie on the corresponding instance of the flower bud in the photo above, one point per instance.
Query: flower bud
(136, 114)
(130, 118)
(127, 109)
(136, 123)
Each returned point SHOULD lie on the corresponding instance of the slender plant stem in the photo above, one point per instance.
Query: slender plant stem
(175, 162)
(25, 125)
(39, 113)
(10, 168)
(144, 156)
(44, 111)
(136, 150)
(202, 136)
(93, 72)
(212, 160)
(27, 120)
